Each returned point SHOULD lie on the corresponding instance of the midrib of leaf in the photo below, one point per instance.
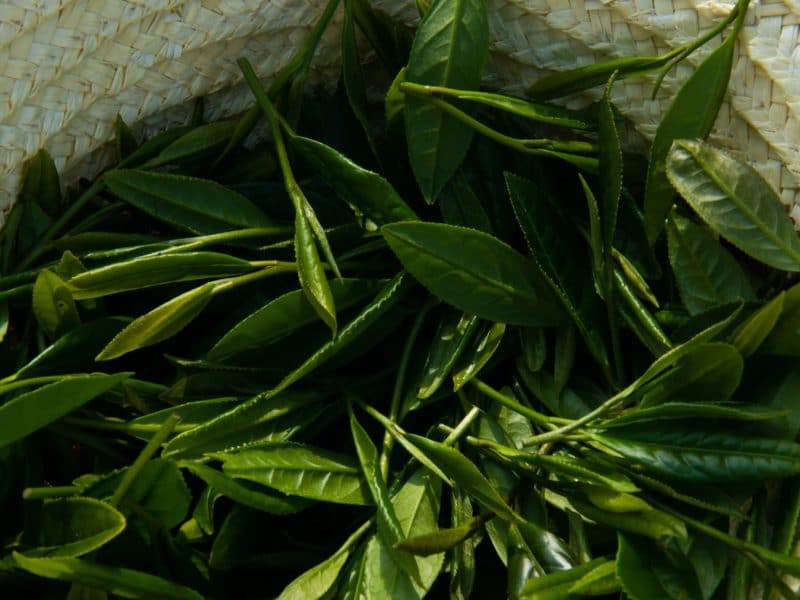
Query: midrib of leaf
(752, 217)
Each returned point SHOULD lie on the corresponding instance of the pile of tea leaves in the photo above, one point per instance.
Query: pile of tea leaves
(461, 347)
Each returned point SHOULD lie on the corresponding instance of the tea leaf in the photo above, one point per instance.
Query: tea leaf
(53, 305)
(31, 411)
(159, 324)
(707, 275)
(474, 272)
(300, 471)
(117, 580)
(192, 204)
(449, 49)
(41, 184)
(736, 202)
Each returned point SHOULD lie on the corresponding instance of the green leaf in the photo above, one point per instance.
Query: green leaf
(706, 273)
(284, 315)
(449, 49)
(31, 411)
(752, 333)
(690, 115)
(53, 305)
(416, 505)
(645, 572)
(557, 586)
(452, 336)
(353, 75)
(193, 204)
(320, 580)
(158, 490)
(116, 580)
(300, 471)
(553, 244)
(460, 205)
(149, 271)
(364, 190)
(736, 202)
(41, 185)
(3, 321)
(311, 272)
(159, 324)
(196, 142)
(389, 528)
(465, 474)
(440, 540)
(737, 411)
(480, 351)
(474, 272)
(706, 371)
(124, 141)
(599, 581)
(784, 338)
(263, 499)
(702, 453)
(610, 170)
(69, 527)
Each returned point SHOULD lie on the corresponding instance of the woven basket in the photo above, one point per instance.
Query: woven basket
(68, 67)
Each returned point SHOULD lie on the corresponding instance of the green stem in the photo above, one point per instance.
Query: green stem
(224, 285)
(40, 493)
(459, 430)
(10, 383)
(561, 433)
(188, 244)
(509, 402)
(399, 383)
(144, 457)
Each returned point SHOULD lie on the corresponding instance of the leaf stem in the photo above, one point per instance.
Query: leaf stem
(40, 493)
(147, 453)
(459, 430)
(120, 426)
(509, 402)
(560, 433)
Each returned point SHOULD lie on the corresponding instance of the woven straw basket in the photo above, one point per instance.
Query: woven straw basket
(68, 67)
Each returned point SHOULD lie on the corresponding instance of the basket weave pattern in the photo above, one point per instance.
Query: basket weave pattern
(68, 67)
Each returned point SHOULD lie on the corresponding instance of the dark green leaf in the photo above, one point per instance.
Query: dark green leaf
(556, 586)
(475, 272)
(706, 273)
(784, 338)
(193, 204)
(483, 346)
(701, 453)
(736, 202)
(31, 411)
(452, 336)
(195, 142)
(750, 334)
(690, 115)
(70, 527)
(645, 572)
(124, 141)
(449, 49)
(154, 270)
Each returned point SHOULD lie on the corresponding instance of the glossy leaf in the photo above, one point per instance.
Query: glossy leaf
(691, 114)
(416, 504)
(53, 305)
(784, 338)
(483, 346)
(553, 244)
(706, 273)
(260, 499)
(159, 324)
(31, 411)
(284, 315)
(195, 142)
(449, 49)
(70, 527)
(474, 272)
(610, 170)
(117, 580)
(736, 411)
(452, 337)
(193, 204)
(555, 586)
(465, 474)
(154, 270)
(257, 407)
(750, 334)
(364, 190)
(703, 454)
(300, 471)
(736, 202)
